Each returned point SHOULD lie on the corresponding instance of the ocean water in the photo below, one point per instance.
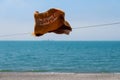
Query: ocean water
(60, 56)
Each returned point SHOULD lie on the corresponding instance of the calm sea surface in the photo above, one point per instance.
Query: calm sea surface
(60, 56)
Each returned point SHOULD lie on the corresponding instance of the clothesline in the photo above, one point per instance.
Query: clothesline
(90, 26)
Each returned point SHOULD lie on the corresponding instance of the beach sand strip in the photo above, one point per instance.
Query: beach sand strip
(58, 76)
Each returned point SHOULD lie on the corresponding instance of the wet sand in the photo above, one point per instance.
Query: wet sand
(58, 76)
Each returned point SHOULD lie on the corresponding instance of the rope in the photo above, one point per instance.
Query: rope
(99, 25)
(16, 34)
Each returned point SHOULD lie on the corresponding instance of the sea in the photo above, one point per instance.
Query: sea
(60, 56)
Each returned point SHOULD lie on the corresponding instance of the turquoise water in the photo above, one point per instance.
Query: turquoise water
(60, 56)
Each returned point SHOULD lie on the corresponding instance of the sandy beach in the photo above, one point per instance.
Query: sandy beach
(58, 76)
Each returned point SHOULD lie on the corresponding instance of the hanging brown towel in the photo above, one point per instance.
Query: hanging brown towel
(52, 20)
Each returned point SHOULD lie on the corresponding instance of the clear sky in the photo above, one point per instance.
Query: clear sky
(16, 16)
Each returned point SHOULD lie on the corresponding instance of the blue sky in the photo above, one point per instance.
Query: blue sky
(16, 16)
